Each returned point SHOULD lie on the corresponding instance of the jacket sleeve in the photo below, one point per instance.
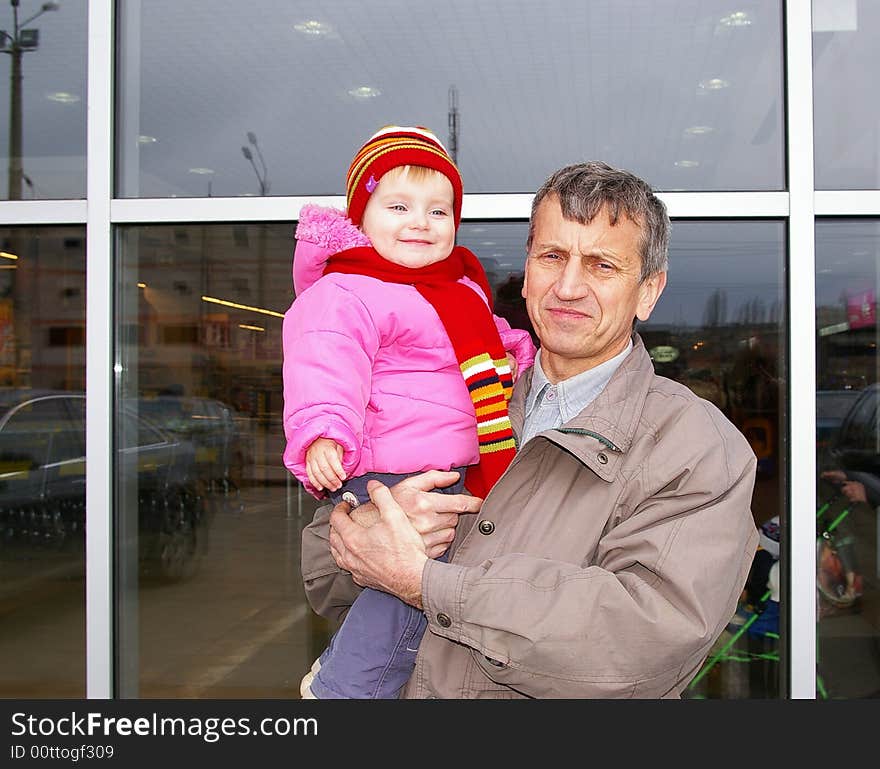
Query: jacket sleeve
(329, 590)
(517, 342)
(636, 619)
(329, 344)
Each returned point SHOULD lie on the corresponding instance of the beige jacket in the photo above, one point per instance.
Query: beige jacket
(604, 563)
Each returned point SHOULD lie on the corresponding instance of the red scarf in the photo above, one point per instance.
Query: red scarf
(474, 338)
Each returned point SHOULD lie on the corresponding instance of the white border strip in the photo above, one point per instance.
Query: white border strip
(27, 212)
(99, 357)
(801, 565)
(848, 203)
(718, 205)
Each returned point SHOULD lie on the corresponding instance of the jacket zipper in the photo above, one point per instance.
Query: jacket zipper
(601, 438)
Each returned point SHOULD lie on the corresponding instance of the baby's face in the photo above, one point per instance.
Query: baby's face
(411, 222)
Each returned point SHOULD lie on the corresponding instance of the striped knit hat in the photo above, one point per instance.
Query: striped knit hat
(389, 148)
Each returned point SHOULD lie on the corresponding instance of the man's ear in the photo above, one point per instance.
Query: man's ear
(649, 293)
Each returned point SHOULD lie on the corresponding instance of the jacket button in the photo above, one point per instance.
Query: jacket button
(443, 620)
(486, 527)
(603, 458)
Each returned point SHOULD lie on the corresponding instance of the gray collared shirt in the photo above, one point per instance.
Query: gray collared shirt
(549, 406)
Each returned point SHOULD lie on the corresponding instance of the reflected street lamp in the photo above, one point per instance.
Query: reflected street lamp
(15, 45)
(262, 177)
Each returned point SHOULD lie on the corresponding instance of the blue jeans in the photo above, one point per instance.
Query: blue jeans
(373, 653)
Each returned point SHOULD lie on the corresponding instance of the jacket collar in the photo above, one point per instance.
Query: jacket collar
(611, 419)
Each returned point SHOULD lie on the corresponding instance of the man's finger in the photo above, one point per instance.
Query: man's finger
(432, 479)
(340, 520)
(461, 503)
(380, 495)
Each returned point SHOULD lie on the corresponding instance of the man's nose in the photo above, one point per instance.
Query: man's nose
(572, 281)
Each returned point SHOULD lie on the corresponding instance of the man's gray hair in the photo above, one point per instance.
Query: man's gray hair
(584, 189)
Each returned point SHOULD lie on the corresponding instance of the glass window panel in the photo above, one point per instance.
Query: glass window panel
(42, 463)
(236, 579)
(846, 112)
(43, 99)
(209, 519)
(278, 95)
(848, 457)
(719, 328)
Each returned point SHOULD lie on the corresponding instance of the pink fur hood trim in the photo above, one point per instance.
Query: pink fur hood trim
(321, 232)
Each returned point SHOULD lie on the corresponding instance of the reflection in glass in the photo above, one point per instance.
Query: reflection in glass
(208, 518)
(848, 459)
(43, 99)
(845, 107)
(687, 94)
(42, 462)
(719, 329)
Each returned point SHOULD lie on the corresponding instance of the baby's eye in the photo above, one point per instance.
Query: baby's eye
(397, 207)
(439, 212)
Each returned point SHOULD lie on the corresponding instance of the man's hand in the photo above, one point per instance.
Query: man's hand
(324, 464)
(433, 515)
(854, 491)
(414, 508)
(389, 555)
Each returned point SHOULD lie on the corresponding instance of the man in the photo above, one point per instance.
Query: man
(610, 555)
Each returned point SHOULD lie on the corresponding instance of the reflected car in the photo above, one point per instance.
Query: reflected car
(43, 481)
(223, 445)
(856, 447)
(832, 407)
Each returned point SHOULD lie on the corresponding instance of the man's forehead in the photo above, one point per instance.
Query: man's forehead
(552, 228)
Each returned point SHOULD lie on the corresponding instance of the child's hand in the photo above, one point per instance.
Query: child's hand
(512, 362)
(324, 464)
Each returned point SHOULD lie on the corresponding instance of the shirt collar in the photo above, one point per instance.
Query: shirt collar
(577, 392)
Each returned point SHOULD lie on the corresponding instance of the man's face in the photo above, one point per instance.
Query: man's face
(582, 288)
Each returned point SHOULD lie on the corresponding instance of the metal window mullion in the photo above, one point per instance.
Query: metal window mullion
(37, 212)
(848, 203)
(478, 206)
(801, 553)
(99, 356)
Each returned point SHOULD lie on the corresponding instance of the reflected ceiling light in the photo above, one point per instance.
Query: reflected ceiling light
(364, 92)
(63, 97)
(488, 242)
(687, 163)
(142, 285)
(698, 130)
(7, 255)
(143, 139)
(201, 171)
(313, 28)
(225, 303)
(251, 328)
(736, 19)
(713, 84)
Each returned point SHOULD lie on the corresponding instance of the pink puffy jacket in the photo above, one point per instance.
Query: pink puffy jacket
(369, 365)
